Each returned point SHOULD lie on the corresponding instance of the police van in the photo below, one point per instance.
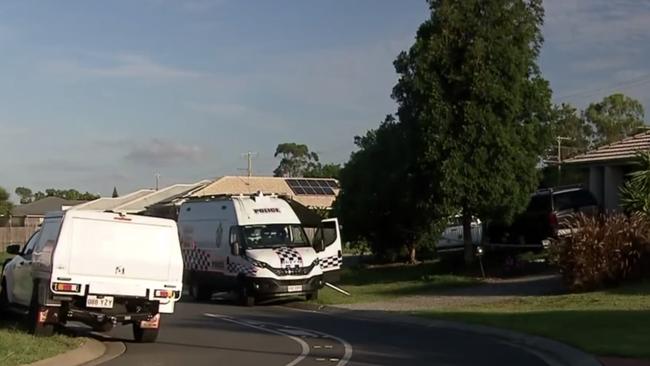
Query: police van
(255, 245)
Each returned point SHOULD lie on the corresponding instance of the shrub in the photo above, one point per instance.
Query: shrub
(603, 250)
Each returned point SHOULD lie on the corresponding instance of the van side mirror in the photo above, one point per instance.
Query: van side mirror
(235, 249)
(13, 249)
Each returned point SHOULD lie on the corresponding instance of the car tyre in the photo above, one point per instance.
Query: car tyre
(199, 292)
(312, 296)
(245, 298)
(144, 335)
(4, 298)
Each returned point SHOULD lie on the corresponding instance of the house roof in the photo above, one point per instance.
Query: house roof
(107, 203)
(620, 150)
(233, 185)
(42, 206)
(141, 203)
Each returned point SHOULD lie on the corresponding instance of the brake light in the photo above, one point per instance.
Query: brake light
(164, 294)
(66, 287)
(552, 220)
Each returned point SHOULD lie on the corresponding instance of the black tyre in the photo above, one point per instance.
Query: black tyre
(200, 292)
(144, 335)
(245, 298)
(36, 326)
(312, 296)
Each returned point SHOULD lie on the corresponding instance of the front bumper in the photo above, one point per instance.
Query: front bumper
(271, 287)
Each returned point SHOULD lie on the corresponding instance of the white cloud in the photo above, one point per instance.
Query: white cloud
(131, 66)
(157, 152)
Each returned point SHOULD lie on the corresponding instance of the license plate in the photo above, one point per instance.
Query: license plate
(294, 288)
(103, 302)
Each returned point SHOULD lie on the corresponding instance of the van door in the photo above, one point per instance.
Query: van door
(327, 242)
(19, 273)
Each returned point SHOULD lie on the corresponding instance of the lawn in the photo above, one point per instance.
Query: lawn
(18, 347)
(3, 256)
(606, 323)
(385, 282)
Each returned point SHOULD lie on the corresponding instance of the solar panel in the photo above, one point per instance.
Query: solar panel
(320, 187)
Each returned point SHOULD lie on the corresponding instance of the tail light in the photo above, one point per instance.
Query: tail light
(165, 294)
(66, 287)
(553, 222)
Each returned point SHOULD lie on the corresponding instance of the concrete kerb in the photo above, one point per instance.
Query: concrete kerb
(89, 351)
(554, 353)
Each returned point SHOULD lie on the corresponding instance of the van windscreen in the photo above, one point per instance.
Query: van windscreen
(273, 236)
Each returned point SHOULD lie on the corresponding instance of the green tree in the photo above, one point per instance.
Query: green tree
(635, 193)
(377, 203)
(5, 205)
(323, 171)
(25, 194)
(115, 194)
(476, 108)
(568, 122)
(296, 159)
(68, 194)
(615, 117)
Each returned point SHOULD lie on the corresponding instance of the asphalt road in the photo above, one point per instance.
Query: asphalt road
(223, 334)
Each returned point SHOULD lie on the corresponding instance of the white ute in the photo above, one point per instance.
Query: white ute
(99, 268)
(255, 245)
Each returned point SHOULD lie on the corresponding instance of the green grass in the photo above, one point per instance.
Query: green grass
(607, 323)
(381, 283)
(18, 347)
(3, 256)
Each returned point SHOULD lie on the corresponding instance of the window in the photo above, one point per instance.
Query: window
(273, 236)
(31, 243)
(574, 199)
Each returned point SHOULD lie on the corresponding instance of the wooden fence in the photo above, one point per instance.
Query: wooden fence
(15, 235)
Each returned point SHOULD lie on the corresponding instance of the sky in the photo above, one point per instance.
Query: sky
(97, 94)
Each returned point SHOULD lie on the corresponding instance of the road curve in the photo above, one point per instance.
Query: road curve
(223, 334)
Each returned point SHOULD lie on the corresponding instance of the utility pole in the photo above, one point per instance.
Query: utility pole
(157, 181)
(249, 156)
(559, 157)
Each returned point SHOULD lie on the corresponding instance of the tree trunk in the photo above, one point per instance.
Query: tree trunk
(412, 254)
(467, 237)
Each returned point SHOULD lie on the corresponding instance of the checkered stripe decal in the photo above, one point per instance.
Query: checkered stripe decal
(238, 268)
(196, 259)
(330, 262)
(289, 257)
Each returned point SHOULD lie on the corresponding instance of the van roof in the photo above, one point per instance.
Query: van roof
(103, 215)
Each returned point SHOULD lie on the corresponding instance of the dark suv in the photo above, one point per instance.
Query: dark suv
(543, 217)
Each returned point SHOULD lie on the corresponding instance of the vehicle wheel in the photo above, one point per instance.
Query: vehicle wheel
(144, 335)
(312, 296)
(38, 328)
(199, 292)
(245, 298)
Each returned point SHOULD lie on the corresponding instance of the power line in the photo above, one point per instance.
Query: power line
(638, 81)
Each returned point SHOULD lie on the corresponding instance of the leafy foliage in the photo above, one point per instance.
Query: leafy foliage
(68, 194)
(615, 117)
(25, 194)
(568, 122)
(296, 160)
(635, 193)
(475, 107)
(603, 250)
(319, 170)
(115, 194)
(377, 202)
(5, 204)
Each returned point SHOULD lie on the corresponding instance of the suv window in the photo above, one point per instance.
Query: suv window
(539, 202)
(574, 199)
(31, 243)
